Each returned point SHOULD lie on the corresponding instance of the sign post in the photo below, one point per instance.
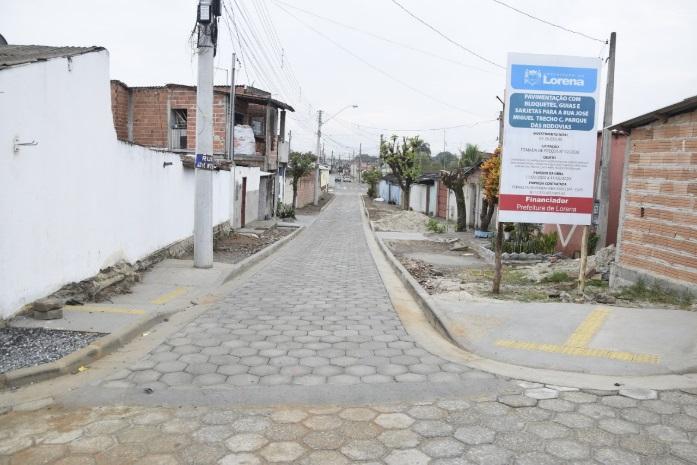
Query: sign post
(548, 164)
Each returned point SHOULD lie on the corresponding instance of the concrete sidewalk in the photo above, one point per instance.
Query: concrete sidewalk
(170, 284)
(595, 339)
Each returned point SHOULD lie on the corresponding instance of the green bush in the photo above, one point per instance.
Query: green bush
(435, 226)
(592, 243)
(529, 239)
(285, 211)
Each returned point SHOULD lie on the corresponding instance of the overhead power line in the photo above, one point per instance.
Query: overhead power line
(466, 125)
(549, 23)
(437, 31)
(373, 67)
(382, 38)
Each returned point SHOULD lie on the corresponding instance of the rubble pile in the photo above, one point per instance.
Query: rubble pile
(404, 221)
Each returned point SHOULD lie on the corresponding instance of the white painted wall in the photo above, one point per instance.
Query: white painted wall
(252, 199)
(80, 200)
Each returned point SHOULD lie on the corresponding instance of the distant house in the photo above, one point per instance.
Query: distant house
(361, 163)
(657, 238)
(165, 117)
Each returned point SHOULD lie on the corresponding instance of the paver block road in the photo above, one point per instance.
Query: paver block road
(306, 362)
(317, 314)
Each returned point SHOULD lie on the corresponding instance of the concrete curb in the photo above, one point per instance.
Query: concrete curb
(114, 341)
(326, 205)
(545, 376)
(72, 362)
(252, 260)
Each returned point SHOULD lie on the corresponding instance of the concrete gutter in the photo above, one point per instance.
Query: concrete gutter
(451, 350)
(71, 363)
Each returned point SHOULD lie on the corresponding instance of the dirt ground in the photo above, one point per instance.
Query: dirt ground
(441, 270)
(314, 209)
(236, 246)
(379, 210)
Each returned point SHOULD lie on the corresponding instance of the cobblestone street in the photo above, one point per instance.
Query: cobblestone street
(307, 362)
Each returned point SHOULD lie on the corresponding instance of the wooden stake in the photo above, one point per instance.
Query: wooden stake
(498, 266)
(584, 261)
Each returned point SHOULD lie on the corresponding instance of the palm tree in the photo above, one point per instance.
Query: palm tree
(471, 156)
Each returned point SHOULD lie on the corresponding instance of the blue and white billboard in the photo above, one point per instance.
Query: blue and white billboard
(554, 78)
(548, 163)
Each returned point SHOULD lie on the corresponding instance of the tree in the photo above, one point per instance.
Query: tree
(455, 180)
(300, 164)
(371, 177)
(403, 160)
(446, 160)
(491, 170)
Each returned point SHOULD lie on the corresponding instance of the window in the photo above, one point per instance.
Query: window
(258, 126)
(178, 129)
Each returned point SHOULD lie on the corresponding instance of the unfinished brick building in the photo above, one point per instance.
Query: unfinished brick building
(165, 117)
(657, 239)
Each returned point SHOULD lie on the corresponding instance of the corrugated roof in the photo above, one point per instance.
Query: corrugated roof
(689, 104)
(13, 55)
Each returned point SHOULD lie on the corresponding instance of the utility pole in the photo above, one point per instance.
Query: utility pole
(360, 160)
(380, 153)
(319, 148)
(498, 264)
(603, 193)
(231, 139)
(203, 204)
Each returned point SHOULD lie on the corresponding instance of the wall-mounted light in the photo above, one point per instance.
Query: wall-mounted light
(166, 164)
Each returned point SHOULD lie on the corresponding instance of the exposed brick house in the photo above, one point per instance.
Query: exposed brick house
(165, 117)
(657, 239)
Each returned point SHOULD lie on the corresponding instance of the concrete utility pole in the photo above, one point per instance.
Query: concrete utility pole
(231, 141)
(319, 148)
(360, 160)
(498, 245)
(203, 204)
(231, 116)
(603, 194)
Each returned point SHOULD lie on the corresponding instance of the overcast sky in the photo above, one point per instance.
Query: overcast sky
(328, 56)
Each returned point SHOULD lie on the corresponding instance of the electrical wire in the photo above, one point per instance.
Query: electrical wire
(466, 125)
(437, 31)
(375, 68)
(549, 23)
(382, 38)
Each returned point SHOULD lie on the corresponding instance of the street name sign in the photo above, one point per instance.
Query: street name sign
(549, 150)
(205, 162)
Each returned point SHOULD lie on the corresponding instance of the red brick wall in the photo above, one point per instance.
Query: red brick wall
(306, 190)
(150, 116)
(662, 179)
(119, 109)
(442, 197)
(185, 98)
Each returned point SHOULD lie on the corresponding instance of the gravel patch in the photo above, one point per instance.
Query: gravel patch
(26, 347)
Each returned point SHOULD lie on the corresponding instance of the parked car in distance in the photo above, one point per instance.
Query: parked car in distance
(337, 179)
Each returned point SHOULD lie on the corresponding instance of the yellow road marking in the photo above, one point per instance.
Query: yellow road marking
(577, 344)
(579, 351)
(586, 330)
(164, 298)
(94, 308)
